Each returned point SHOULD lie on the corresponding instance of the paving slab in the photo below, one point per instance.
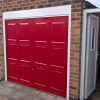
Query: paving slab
(46, 96)
(7, 84)
(35, 92)
(6, 91)
(17, 95)
(59, 98)
(30, 97)
(18, 87)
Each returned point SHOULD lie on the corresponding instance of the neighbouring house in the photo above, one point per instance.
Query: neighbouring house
(52, 45)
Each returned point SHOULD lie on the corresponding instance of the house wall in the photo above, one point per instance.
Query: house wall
(76, 28)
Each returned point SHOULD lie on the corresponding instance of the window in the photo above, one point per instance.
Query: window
(93, 39)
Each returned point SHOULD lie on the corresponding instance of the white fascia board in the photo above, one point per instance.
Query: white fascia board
(41, 12)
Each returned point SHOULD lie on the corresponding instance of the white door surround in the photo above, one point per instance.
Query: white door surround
(83, 49)
(39, 13)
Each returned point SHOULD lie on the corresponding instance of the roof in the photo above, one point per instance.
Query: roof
(88, 5)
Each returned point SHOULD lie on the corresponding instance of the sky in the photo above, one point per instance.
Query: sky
(95, 2)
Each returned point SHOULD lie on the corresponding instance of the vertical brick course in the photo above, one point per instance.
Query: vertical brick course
(13, 5)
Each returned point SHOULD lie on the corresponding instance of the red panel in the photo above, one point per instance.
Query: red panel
(25, 72)
(37, 53)
(24, 41)
(40, 41)
(58, 54)
(11, 43)
(12, 69)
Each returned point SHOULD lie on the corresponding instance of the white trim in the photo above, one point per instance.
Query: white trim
(43, 12)
(68, 59)
(88, 11)
(83, 49)
(50, 11)
(5, 59)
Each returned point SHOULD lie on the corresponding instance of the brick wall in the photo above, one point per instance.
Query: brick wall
(12, 5)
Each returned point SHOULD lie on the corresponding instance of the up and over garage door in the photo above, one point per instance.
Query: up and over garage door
(37, 53)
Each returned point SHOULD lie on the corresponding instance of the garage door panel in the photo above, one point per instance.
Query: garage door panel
(11, 29)
(25, 71)
(11, 46)
(57, 53)
(24, 50)
(12, 68)
(41, 74)
(57, 82)
(58, 29)
(41, 51)
(41, 27)
(23, 29)
(58, 78)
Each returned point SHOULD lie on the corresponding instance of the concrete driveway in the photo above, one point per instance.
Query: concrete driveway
(12, 91)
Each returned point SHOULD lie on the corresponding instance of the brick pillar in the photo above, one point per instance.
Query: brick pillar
(76, 33)
(1, 46)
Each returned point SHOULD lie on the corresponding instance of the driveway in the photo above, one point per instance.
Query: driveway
(12, 91)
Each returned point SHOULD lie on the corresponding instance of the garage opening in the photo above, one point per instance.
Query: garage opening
(37, 48)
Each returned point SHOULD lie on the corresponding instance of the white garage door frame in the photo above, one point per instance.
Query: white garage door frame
(39, 13)
(83, 49)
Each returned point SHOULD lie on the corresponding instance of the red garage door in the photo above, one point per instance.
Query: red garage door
(37, 53)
